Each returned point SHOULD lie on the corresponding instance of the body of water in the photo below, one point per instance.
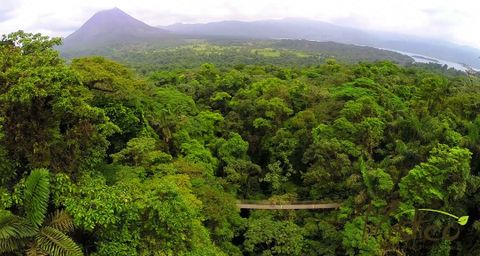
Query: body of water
(428, 59)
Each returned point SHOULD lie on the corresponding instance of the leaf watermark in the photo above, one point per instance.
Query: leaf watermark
(418, 227)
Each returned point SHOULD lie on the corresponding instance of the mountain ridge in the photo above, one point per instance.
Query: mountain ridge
(270, 29)
(112, 26)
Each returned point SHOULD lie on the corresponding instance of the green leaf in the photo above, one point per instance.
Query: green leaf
(462, 220)
(56, 243)
(37, 192)
(61, 220)
(12, 230)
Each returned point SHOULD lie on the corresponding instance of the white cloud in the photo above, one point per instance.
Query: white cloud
(454, 20)
(7, 7)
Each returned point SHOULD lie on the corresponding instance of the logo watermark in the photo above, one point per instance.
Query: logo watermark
(419, 227)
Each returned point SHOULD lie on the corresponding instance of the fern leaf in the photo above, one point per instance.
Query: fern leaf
(13, 231)
(56, 243)
(60, 220)
(37, 192)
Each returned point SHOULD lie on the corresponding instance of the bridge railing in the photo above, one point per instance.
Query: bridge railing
(285, 205)
(272, 202)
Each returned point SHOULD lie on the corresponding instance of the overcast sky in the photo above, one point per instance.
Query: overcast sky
(453, 20)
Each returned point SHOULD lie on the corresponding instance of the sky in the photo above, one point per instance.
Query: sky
(452, 20)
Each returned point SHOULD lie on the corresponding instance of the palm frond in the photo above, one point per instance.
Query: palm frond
(37, 192)
(13, 230)
(60, 220)
(35, 251)
(10, 245)
(56, 243)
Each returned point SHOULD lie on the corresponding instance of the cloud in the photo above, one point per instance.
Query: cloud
(432, 11)
(350, 20)
(53, 22)
(7, 8)
(442, 18)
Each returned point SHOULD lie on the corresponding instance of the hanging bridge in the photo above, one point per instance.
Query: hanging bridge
(296, 205)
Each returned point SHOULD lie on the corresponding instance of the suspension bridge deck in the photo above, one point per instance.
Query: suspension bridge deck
(301, 205)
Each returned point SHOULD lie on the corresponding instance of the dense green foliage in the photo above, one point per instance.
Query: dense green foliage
(130, 165)
(148, 57)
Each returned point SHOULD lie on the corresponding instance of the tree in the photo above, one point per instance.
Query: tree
(371, 130)
(45, 111)
(141, 152)
(266, 236)
(444, 177)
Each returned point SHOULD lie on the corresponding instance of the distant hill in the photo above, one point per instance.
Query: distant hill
(112, 27)
(322, 31)
(289, 28)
